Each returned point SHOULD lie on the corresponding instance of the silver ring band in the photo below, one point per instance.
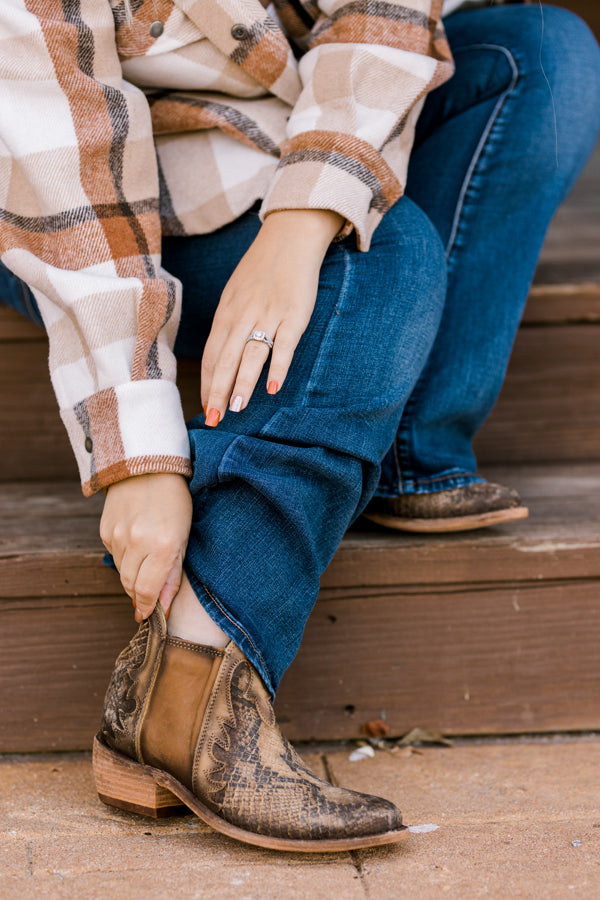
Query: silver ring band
(261, 336)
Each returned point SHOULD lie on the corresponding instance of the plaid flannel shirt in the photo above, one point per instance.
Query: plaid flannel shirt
(113, 128)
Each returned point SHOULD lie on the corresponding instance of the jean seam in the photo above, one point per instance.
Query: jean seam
(477, 155)
(401, 444)
(316, 363)
(234, 622)
(448, 477)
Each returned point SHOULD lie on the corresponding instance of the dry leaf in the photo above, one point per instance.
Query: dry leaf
(408, 751)
(423, 736)
(376, 728)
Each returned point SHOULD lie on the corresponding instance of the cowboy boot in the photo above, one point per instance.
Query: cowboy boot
(185, 724)
(463, 508)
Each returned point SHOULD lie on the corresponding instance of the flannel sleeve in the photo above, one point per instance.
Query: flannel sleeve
(367, 69)
(79, 222)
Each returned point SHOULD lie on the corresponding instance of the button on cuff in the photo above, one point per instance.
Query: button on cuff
(156, 29)
(89, 444)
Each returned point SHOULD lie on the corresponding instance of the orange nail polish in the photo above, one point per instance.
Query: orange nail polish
(213, 417)
(273, 387)
(167, 614)
(134, 604)
(205, 407)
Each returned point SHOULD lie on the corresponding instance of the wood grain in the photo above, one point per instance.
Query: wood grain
(49, 544)
(563, 303)
(515, 658)
(14, 327)
(494, 632)
(549, 407)
(519, 657)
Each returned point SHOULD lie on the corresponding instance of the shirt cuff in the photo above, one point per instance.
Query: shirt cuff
(340, 172)
(135, 428)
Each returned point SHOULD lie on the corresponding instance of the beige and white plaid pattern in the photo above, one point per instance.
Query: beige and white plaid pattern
(109, 133)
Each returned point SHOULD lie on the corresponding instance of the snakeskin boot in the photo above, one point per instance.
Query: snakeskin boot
(193, 726)
(465, 508)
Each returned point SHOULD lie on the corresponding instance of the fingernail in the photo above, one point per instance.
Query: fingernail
(134, 604)
(205, 408)
(167, 614)
(213, 417)
(273, 387)
(236, 404)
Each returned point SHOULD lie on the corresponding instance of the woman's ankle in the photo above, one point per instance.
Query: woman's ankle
(189, 620)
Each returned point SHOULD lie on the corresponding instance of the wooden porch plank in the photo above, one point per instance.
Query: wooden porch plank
(47, 544)
(496, 660)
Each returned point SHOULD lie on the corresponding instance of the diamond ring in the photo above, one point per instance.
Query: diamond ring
(260, 336)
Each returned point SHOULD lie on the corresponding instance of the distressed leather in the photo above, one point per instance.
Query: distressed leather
(130, 687)
(468, 500)
(249, 773)
(176, 709)
(204, 716)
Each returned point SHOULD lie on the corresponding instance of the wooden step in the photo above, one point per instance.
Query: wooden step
(486, 632)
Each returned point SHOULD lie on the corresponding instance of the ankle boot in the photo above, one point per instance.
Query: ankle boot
(190, 725)
(463, 508)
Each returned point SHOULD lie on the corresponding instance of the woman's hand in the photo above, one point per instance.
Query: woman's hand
(273, 289)
(145, 525)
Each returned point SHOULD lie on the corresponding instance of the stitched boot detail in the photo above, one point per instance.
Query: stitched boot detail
(130, 687)
(246, 771)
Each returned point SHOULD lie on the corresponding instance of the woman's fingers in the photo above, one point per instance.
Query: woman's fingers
(235, 373)
(145, 525)
(210, 357)
(252, 363)
(128, 569)
(225, 372)
(171, 586)
(284, 348)
(149, 579)
(273, 289)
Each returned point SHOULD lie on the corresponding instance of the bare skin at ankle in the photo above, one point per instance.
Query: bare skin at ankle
(189, 620)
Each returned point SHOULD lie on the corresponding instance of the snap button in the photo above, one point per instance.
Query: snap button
(240, 32)
(89, 444)
(156, 29)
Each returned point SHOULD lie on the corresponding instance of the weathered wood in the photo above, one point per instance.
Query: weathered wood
(33, 441)
(549, 408)
(14, 327)
(517, 658)
(500, 659)
(56, 660)
(493, 632)
(560, 304)
(53, 549)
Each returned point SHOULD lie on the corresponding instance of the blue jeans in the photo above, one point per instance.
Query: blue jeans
(408, 344)
(498, 148)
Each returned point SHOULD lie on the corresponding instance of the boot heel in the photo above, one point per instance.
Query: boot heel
(123, 783)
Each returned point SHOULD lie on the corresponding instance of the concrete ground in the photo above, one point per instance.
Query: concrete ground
(513, 818)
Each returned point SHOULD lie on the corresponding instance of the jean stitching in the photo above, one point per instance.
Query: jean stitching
(483, 140)
(341, 292)
(401, 443)
(448, 477)
(229, 617)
